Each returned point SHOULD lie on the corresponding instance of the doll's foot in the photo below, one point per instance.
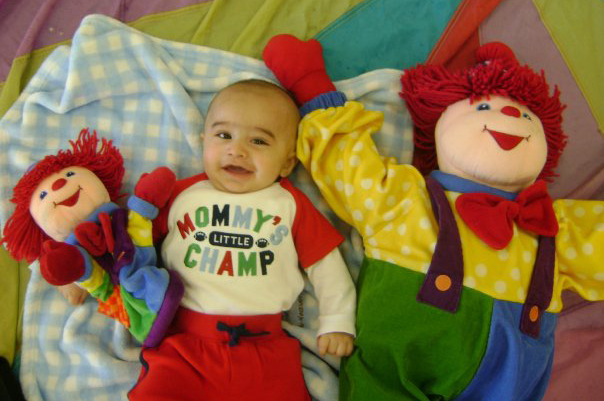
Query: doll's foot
(156, 187)
(298, 65)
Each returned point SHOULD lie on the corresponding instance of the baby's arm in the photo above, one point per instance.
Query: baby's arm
(337, 301)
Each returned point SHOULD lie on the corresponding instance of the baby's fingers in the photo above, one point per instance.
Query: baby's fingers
(323, 344)
(344, 348)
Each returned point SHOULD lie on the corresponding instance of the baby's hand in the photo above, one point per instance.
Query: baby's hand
(338, 344)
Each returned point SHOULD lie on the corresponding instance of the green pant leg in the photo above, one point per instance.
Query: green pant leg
(409, 350)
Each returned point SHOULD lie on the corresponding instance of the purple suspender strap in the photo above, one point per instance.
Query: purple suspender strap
(541, 287)
(443, 284)
(444, 279)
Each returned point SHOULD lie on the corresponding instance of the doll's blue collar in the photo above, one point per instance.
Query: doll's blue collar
(462, 185)
(94, 216)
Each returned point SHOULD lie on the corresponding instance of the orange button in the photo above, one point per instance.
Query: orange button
(442, 282)
(534, 314)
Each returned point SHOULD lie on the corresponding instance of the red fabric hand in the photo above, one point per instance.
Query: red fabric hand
(492, 217)
(91, 237)
(156, 187)
(61, 263)
(298, 65)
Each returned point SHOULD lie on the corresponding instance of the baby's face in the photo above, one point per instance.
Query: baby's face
(249, 138)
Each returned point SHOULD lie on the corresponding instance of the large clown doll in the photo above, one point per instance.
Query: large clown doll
(464, 266)
(67, 217)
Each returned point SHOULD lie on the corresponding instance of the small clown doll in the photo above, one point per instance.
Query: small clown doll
(467, 257)
(66, 217)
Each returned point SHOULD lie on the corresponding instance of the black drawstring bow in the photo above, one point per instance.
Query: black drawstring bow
(235, 332)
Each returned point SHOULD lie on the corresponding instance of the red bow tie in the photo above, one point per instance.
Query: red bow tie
(492, 217)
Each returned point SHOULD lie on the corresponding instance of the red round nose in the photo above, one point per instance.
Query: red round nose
(58, 184)
(511, 111)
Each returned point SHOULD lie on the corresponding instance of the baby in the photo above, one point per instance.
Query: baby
(240, 235)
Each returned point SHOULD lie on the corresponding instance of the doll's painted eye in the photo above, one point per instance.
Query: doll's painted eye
(43, 194)
(70, 173)
(483, 106)
(525, 115)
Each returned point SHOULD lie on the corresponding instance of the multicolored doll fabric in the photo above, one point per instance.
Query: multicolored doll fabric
(450, 308)
(126, 280)
(66, 216)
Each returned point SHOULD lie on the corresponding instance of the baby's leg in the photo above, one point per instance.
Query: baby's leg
(73, 293)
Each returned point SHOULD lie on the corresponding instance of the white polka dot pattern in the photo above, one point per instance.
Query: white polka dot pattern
(387, 194)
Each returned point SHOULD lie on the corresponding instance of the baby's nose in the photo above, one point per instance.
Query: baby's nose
(237, 149)
(58, 184)
(511, 111)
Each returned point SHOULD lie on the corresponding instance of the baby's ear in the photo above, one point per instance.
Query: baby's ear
(289, 164)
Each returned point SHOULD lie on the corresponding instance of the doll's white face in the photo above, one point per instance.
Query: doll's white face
(496, 141)
(64, 199)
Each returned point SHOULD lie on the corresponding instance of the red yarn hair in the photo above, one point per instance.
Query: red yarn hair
(428, 90)
(21, 234)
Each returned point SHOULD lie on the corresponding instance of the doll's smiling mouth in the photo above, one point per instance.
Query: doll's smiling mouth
(72, 200)
(506, 141)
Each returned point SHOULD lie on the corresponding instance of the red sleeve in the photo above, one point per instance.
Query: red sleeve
(160, 223)
(314, 236)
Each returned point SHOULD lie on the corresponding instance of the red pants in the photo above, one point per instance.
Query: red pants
(196, 362)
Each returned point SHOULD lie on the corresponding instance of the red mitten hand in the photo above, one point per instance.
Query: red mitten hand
(298, 65)
(156, 187)
(61, 263)
(91, 236)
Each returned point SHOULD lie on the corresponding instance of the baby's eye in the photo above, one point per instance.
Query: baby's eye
(223, 135)
(43, 194)
(70, 173)
(483, 106)
(259, 141)
(525, 115)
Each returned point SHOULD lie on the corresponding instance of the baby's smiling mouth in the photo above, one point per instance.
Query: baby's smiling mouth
(238, 170)
(72, 200)
(506, 141)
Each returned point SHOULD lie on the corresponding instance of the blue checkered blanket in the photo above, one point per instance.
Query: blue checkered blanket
(149, 96)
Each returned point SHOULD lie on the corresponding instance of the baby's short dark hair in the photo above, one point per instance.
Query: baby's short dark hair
(256, 82)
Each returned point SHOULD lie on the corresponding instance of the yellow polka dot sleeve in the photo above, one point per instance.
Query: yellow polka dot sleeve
(361, 186)
(580, 247)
